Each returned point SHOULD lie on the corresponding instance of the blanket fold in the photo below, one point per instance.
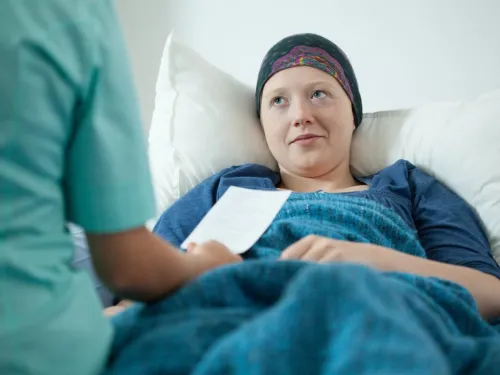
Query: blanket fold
(290, 317)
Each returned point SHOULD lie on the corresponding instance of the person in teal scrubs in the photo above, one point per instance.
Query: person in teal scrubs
(72, 149)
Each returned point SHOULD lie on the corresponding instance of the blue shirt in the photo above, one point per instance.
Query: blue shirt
(446, 226)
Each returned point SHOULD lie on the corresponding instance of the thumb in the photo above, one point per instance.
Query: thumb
(191, 247)
(210, 247)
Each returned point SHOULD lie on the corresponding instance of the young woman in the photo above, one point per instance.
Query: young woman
(407, 279)
(309, 105)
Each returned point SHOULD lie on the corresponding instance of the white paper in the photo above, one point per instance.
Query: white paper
(239, 218)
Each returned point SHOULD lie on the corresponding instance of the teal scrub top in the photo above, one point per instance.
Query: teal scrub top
(71, 149)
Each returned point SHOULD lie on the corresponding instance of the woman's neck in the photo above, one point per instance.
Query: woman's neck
(337, 180)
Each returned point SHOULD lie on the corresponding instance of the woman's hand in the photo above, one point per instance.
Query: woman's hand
(484, 288)
(325, 250)
(198, 260)
(209, 255)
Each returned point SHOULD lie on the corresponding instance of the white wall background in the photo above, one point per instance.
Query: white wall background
(146, 25)
(404, 53)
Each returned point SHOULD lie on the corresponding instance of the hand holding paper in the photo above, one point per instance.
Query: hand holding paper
(239, 218)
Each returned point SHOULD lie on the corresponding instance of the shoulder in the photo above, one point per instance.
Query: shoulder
(401, 168)
(250, 176)
(246, 176)
(394, 179)
(406, 180)
(182, 216)
(420, 186)
(401, 173)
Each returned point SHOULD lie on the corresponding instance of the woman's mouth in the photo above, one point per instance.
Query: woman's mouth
(306, 139)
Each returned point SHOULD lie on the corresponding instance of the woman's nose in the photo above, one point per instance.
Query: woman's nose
(301, 114)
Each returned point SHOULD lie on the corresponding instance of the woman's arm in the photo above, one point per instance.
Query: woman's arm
(138, 265)
(484, 288)
(454, 240)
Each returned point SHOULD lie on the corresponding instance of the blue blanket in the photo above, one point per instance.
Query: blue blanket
(265, 316)
(276, 317)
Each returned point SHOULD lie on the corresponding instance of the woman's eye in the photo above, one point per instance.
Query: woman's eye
(279, 100)
(318, 94)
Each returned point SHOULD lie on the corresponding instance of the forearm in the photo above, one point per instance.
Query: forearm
(483, 287)
(138, 265)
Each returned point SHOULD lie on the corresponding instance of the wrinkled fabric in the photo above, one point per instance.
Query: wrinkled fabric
(277, 317)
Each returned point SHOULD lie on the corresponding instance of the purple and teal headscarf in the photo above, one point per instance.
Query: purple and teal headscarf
(315, 51)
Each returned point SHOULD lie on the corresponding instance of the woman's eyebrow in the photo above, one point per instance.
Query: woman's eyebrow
(320, 82)
(275, 92)
(281, 90)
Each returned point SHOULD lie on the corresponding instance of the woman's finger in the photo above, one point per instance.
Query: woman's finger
(336, 252)
(191, 246)
(298, 249)
(317, 251)
(331, 256)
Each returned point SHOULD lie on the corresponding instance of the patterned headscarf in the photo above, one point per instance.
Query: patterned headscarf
(315, 51)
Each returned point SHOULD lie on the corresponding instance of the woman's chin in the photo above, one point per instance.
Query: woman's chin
(310, 170)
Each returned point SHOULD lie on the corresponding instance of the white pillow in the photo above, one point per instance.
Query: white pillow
(204, 120)
(456, 142)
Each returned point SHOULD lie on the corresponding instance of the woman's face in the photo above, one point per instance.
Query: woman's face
(308, 121)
